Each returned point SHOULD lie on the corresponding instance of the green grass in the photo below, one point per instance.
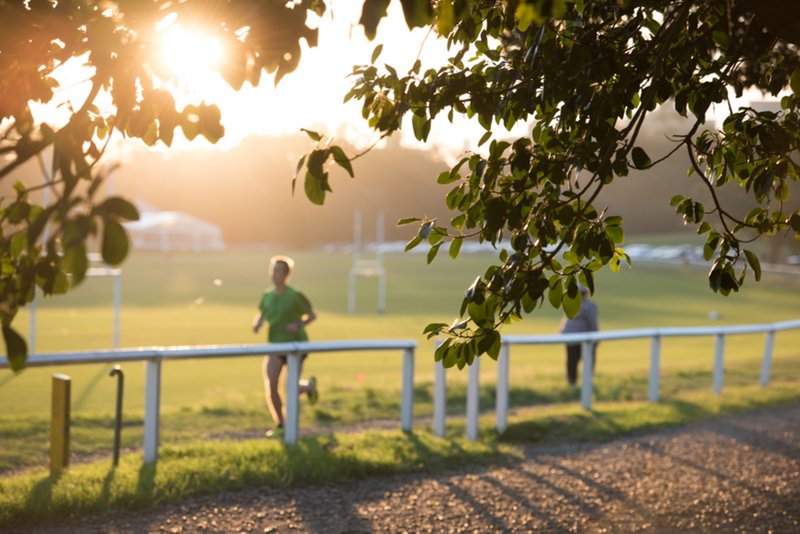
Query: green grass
(201, 467)
(189, 299)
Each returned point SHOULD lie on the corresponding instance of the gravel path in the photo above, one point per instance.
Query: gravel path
(738, 474)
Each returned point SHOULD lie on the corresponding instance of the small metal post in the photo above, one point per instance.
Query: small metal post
(587, 358)
(151, 410)
(117, 305)
(292, 398)
(473, 400)
(655, 369)
(59, 424)
(719, 363)
(407, 405)
(501, 401)
(766, 364)
(439, 398)
(118, 419)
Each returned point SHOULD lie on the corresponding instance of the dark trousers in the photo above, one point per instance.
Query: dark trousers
(573, 357)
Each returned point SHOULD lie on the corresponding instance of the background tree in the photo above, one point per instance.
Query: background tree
(584, 74)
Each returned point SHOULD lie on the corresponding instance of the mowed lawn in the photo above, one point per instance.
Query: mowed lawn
(210, 299)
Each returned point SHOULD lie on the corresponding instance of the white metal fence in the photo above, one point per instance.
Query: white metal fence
(156, 355)
(587, 340)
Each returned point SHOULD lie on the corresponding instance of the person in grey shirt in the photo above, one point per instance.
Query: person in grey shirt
(584, 321)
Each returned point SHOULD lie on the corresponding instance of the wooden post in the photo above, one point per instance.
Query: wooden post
(59, 424)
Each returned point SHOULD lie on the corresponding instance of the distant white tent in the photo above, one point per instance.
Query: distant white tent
(173, 230)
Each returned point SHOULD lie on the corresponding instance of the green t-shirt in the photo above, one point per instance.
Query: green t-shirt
(281, 309)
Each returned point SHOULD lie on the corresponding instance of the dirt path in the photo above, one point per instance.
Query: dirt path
(738, 474)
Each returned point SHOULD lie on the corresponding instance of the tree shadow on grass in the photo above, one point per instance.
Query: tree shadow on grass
(600, 426)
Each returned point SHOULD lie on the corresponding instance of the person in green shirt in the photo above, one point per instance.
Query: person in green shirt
(287, 312)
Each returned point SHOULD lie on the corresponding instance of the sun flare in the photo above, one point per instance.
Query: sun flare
(188, 54)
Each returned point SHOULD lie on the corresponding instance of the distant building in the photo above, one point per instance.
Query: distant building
(170, 231)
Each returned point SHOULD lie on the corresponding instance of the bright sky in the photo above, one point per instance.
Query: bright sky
(312, 96)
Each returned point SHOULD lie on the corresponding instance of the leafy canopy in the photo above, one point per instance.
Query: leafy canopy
(584, 74)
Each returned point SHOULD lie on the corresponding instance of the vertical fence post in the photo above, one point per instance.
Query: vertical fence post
(151, 409)
(587, 357)
(473, 393)
(407, 406)
(501, 398)
(117, 306)
(719, 363)
(292, 398)
(766, 364)
(654, 386)
(59, 424)
(439, 398)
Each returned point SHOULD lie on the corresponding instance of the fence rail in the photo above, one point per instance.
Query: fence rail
(587, 341)
(154, 356)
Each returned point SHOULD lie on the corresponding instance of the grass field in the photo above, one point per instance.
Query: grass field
(210, 298)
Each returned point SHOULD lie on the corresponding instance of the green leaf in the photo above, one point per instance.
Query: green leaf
(76, 263)
(115, 242)
(119, 207)
(640, 158)
(752, 260)
(314, 188)
(794, 82)
(341, 159)
(315, 136)
(376, 52)
(572, 304)
(408, 220)
(416, 240)
(16, 349)
(555, 292)
(433, 251)
(455, 246)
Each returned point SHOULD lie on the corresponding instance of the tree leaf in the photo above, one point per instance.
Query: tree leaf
(115, 242)
(455, 246)
(640, 158)
(118, 207)
(752, 260)
(315, 136)
(16, 349)
(375, 53)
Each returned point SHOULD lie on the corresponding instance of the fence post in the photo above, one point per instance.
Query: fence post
(655, 369)
(439, 398)
(501, 397)
(59, 424)
(151, 409)
(766, 364)
(292, 398)
(587, 357)
(407, 406)
(719, 363)
(473, 393)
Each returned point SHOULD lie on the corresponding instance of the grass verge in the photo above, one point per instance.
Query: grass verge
(204, 467)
